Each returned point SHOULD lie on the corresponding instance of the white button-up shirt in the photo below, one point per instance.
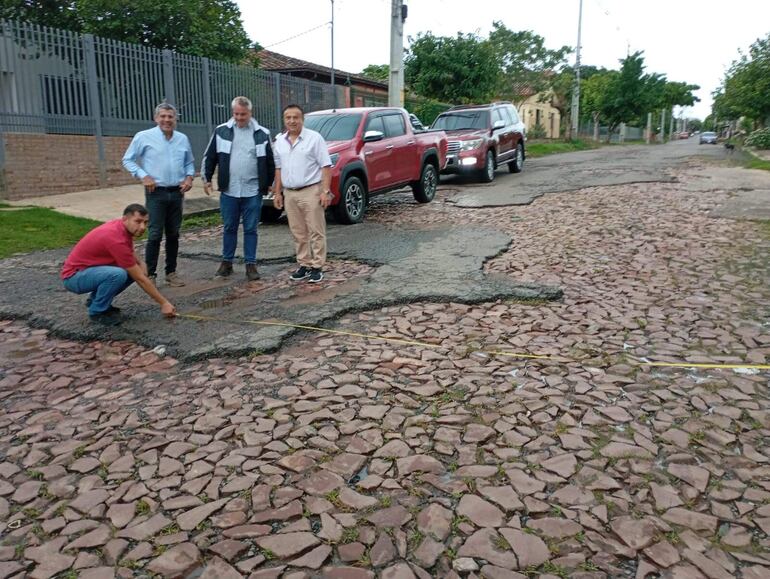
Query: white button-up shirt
(301, 163)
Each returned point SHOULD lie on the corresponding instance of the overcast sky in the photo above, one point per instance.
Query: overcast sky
(687, 40)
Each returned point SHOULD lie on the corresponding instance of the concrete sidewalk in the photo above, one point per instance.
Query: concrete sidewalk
(108, 203)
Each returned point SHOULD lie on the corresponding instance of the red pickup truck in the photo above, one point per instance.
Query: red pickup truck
(374, 150)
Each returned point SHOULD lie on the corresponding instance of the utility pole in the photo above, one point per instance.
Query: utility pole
(575, 110)
(396, 79)
(334, 88)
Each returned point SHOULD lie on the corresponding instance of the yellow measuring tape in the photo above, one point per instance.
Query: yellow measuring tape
(440, 347)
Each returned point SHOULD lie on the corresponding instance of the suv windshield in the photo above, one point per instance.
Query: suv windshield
(334, 127)
(460, 120)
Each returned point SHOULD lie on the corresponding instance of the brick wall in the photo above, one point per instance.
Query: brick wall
(37, 165)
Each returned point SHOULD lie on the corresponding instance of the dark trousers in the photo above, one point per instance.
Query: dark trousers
(165, 207)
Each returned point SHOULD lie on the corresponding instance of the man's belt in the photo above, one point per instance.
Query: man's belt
(303, 187)
(159, 189)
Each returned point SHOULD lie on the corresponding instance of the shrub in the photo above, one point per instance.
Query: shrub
(537, 132)
(759, 139)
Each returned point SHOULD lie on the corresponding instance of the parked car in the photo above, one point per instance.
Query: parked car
(482, 138)
(684, 135)
(373, 151)
(708, 138)
(416, 123)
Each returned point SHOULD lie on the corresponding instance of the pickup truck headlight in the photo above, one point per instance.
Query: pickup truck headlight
(471, 144)
(334, 157)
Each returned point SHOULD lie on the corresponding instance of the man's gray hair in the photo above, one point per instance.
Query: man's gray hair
(241, 101)
(165, 107)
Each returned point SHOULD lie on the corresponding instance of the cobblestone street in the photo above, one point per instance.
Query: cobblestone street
(345, 457)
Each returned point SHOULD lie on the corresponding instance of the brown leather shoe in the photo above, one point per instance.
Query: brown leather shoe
(173, 280)
(225, 269)
(251, 272)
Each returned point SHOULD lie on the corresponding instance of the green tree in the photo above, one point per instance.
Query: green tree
(745, 90)
(460, 69)
(210, 28)
(54, 13)
(379, 72)
(527, 66)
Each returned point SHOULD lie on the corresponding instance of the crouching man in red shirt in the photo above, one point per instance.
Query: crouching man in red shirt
(104, 264)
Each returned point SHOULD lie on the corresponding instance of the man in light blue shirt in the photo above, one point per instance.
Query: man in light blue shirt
(162, 158)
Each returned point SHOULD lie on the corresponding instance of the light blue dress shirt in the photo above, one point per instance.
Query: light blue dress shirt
(167, 161)
(244, 177)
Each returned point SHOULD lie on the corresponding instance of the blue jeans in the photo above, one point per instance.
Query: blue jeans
(103, 282)
(165, 209)
(235, 209)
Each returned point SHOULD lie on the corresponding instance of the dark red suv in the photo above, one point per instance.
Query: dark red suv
(481, 138)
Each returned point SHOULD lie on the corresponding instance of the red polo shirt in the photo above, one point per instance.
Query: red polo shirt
(108, 244)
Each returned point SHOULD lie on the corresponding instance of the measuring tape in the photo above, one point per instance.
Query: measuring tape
(517, 355)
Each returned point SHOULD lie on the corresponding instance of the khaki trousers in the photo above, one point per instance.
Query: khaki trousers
(307, 223)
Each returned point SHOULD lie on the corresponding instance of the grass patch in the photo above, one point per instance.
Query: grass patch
(38, 228)
(758, 164)
(202, 221)
(542, 149)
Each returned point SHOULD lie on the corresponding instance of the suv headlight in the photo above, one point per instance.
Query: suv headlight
(471, 144)
(334, 157)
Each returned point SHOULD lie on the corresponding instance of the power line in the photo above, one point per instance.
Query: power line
(309, 30)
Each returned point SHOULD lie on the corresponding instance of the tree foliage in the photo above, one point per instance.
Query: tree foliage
(527, 66)
(459, 69)
(379, 72)
(211, 28)
(628, 94)
(745, 90)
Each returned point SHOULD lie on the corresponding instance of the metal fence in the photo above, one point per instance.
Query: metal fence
(56, 81)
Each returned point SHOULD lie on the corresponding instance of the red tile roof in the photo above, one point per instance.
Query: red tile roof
(269, 60)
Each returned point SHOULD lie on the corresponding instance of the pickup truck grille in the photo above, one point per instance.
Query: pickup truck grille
(453, 147)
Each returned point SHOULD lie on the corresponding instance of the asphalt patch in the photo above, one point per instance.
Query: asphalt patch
(371, 266)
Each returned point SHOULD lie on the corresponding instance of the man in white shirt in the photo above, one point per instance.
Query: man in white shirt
(303, 174)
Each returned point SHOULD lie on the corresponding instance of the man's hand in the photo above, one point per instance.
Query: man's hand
(168, 310)
(325, 198)
(278, 201)
(186, 185)
(149, 183)
(207, 188)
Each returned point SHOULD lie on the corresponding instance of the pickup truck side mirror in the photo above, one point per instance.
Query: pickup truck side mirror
(499, 124)
(371, 136)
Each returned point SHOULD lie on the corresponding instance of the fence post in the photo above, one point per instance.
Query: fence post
(662, 125)
(671, 125)
(278, 107)
(89, 52)
(207, 116)
(648, 131)
(168, 76)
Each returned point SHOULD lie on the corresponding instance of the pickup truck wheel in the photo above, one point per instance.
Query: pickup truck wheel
(424, 190)
(517, 165)
(352, 203)
(270, 215)
(488, 172)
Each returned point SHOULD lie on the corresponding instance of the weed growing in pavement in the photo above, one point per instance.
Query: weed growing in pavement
(500, 543)
(129, 564)
(35, 474)
(349, 535)
(385, 501)
(31, 513)
(414, 539)
(142, 508)
(457, 521)
(366, 559)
